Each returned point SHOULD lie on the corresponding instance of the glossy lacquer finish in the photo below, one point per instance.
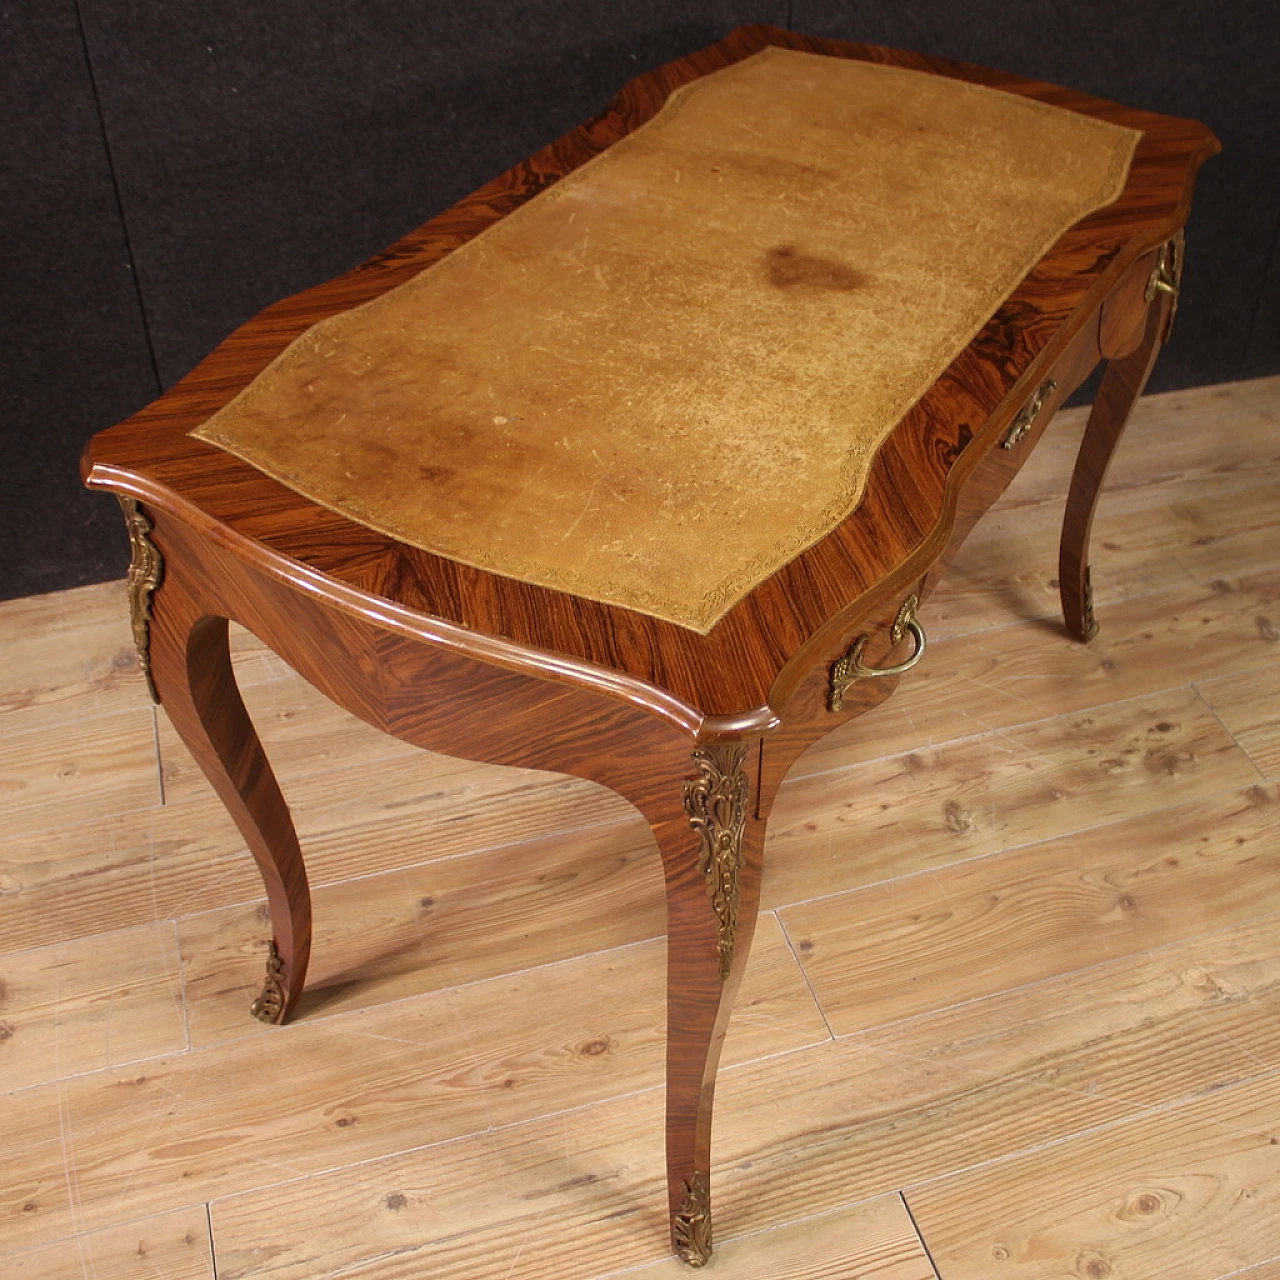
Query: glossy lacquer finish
(696, 731)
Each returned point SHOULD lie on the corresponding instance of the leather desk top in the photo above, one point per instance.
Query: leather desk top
(659, 380)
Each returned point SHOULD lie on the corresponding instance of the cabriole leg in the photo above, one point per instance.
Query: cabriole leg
(710, 845)
(1122, 384)
(185, 653)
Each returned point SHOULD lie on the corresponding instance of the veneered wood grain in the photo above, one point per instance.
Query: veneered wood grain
(485, 667)
(1149, 1029)
(157, 863)
(190, 669)
(1123, 381)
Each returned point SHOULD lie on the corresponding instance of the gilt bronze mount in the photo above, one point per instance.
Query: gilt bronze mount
(851, 667)
(1028, 414)
(146, 571)
(269, 1006)
(716, 802)
(692, 1226)
(1166, 277)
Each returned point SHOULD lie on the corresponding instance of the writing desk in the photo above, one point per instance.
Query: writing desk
(640, 463)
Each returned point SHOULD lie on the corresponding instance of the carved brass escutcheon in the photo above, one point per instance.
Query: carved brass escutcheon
(1028, 414)
(716, 802)
(146, 569)
(851, 667)
(269, 1006)
(693, 1222)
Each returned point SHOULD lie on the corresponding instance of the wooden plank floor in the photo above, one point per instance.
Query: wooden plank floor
(1013, 1009)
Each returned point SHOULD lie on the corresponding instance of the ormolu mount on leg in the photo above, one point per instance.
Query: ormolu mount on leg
(716, 802)
(693, 1222)
(269, 1006)
(146, 570)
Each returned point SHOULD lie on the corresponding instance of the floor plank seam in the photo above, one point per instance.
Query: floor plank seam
(194, 1050)
(792, 779)
(213, 1247)
(1266, 1072)
(1011, 848)
(182, 986)
(93, 1071)
(1245, 1271)
(980, 734)
(924, 1244)
(155, 740)
(400, 1153)
(1213, 711)
(283, 776)
(141, 1221)
(1137, 1117)
(316, 884)
(804, 974)
(307, 1019)
(764, 1231)
(1068, 974)
(1166, 1021)
(510, 1126)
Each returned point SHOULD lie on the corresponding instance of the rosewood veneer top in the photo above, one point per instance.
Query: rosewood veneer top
(672, 637)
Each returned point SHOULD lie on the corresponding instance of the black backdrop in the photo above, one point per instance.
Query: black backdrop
(172, 166)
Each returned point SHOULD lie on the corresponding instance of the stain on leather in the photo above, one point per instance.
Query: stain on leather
(791, 268)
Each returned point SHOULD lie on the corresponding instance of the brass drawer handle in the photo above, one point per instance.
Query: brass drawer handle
(1166, 277)
(1028, 414)
(851, 667)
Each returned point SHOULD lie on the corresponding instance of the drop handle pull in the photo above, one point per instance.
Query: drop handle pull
(1028, 414)
(851, 667)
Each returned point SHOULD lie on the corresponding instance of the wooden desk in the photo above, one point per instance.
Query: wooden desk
(694, 718)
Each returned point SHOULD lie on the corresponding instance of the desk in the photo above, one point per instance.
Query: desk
(647, 479)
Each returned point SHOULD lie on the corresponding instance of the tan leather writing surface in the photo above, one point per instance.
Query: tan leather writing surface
(662, 378)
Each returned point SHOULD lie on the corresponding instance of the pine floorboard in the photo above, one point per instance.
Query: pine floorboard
(172, 1246)
(1013, 1009)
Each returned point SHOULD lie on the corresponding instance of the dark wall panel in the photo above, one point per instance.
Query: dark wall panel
(264, 148)
(73, 354)
(1199, 58)
(1263, 354)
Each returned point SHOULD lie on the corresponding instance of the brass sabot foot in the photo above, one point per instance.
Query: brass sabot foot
(693, 1222)
(1088, 623)
(269, 1006)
